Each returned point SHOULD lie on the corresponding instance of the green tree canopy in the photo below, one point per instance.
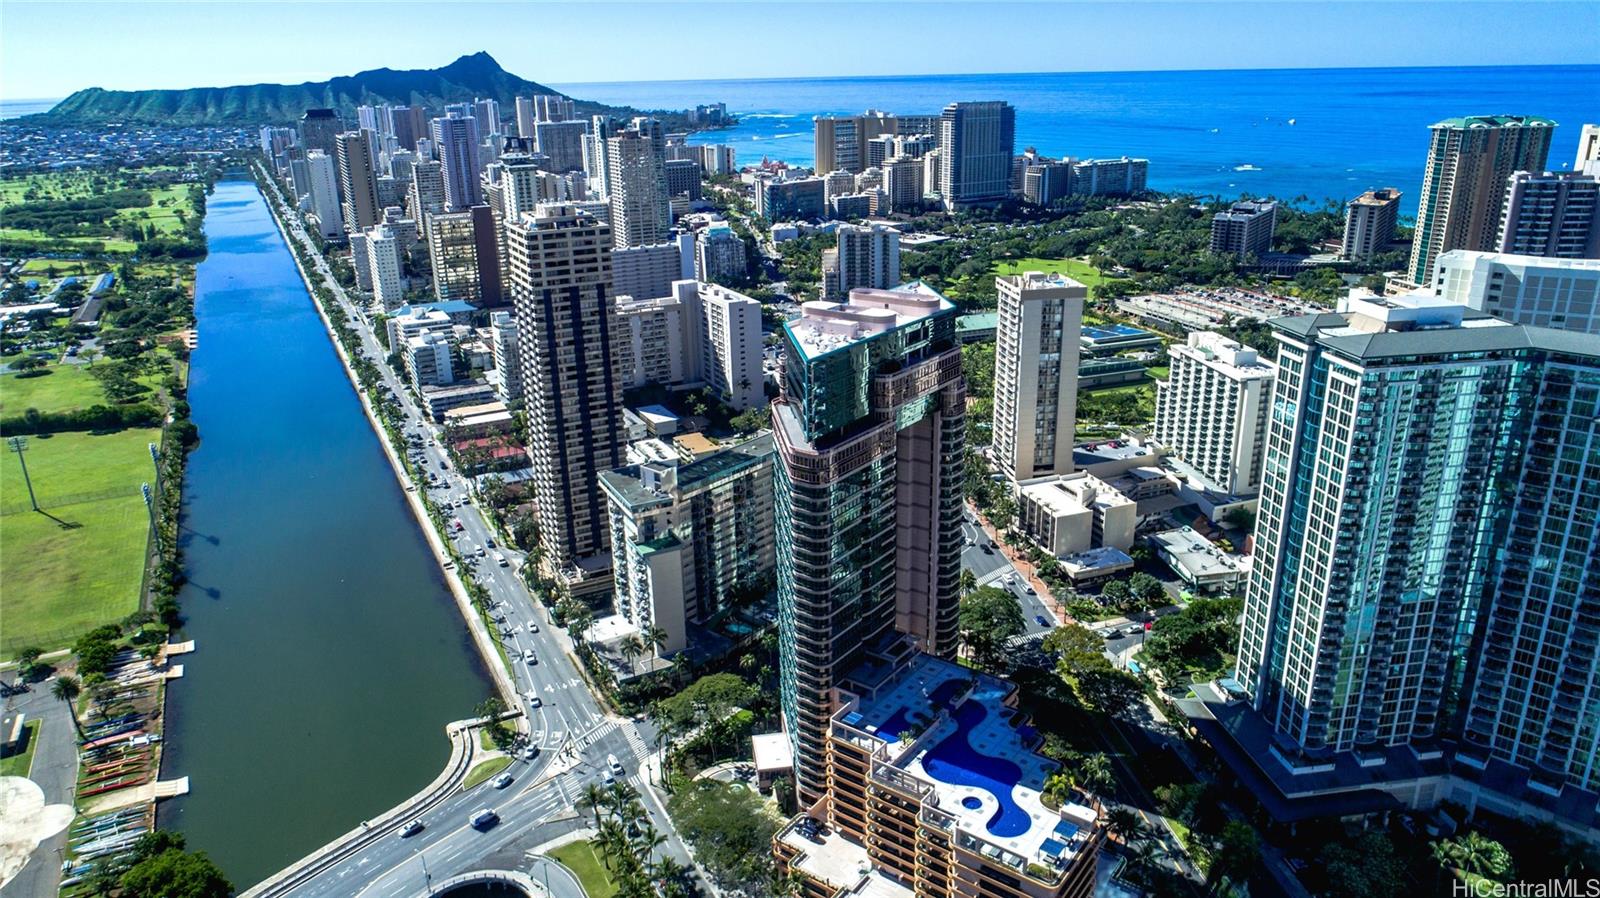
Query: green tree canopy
(988, 618)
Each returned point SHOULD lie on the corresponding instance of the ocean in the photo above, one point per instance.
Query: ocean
(16, 108)
(1317, 133)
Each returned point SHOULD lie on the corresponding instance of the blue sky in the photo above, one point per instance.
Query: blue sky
(49, 49)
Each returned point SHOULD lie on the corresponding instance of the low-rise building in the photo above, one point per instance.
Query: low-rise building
(441, 399)
(688, 539)
(427, 360)
(1071, 513)
(408, 323)
(1196, 559)
(1114, 338)
(471, 421)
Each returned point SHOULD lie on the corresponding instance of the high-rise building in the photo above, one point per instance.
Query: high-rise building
(1110, 177)
(683, 178)
(647, 272)
(840, 141)
(367, 119)
(358, 183)
(976, 142)
(425, 197)
(487, 114)
(562, 142)
(410, 125)
(455, 138)
(1045, 181)
(698, 335)
(802, 198)
(595, 162)
(319, 130)
(427, 360)
(869, 256)
(526, 117)
(1425, 580)
(324, 176)
(1553, 214)
(688, 540)
(464, 248)
(1245, 229)
(1588, 160)
(870, 431)
(566, 325)
(553, 108)
(1369, 222)
(360, 264)
(507, 356)
(1558, 293)
(1036, 373)
(716, 159)
(383, 255)
(1211, 411)
(902, 184)
(719, 255)
(636, 183)
(1464, 184)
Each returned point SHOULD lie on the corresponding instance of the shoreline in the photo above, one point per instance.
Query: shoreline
(481, 640)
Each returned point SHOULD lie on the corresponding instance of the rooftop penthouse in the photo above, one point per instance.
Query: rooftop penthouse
(824, 326)
(936, 762)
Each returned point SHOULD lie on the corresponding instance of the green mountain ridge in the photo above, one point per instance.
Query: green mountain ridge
(468, 78)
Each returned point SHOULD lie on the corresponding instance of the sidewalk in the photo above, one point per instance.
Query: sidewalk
(1025, 567)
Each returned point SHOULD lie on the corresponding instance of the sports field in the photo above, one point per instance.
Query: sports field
(78, 562)
(1078, 270)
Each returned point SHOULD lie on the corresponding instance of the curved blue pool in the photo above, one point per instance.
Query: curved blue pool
(954, 761)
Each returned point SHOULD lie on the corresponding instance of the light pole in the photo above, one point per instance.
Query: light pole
(19, 445)
(150, 506)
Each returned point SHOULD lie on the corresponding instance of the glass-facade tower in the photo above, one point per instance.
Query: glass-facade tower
(870, 432)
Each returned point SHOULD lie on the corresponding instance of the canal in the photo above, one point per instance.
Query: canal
(329, 653)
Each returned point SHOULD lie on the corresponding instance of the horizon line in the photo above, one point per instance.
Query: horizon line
(859, 77)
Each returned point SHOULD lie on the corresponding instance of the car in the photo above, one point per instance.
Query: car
(501, 560)
(614, 764)
(1112, 634)
(481, 552)
(456, 523)
(411, 829)
(608, 778)
(444, 465)
(1040, 620)
(484, 819)
(489, 542)
(530, 752)
(1135, 630)
(502, 781)
(530, 657)
(988, 549)
(533, 627)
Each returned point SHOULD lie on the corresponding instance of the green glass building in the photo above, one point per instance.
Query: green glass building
(870, 432)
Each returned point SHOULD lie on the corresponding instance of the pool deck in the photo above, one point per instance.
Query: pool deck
(982, 768)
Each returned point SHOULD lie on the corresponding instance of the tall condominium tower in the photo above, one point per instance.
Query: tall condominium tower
(566, 318)
(455, 137)
(976, 142)
(1553, 214)
(869, 256)
(324, 177)
(1464, 185)
(507, 356)
(1211, 411)
(840, 141)
(1245, 229)
(464, 248)
(870, 432)
(410, 125)
(1426, 566)
(1036, 373)
(319, 130)
(425, 196)
(1369, 222)
(357, 181)
(562, 142)
(636, 183)
(525, 117)
(487, 113)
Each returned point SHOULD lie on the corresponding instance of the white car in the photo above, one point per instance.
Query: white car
(533, 699)
(502, 781)
(411, 829)
(501, 560)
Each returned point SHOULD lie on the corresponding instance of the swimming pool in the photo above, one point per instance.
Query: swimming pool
(956, 762)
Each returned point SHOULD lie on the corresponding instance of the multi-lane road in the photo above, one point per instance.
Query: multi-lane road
(573, 735)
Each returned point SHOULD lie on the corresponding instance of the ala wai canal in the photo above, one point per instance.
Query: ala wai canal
(329, 653)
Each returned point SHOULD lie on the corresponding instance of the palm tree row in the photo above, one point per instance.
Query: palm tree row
(629, 848)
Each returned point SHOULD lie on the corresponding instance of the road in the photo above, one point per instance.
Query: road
(568, 725)
(55, 771)
(989, 564)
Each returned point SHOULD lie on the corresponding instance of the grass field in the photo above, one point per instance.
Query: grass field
(65, 388)
(1080, 271)
(79, 563)
(483, 772)
(20, 763)
(580, 858)
(166, 202)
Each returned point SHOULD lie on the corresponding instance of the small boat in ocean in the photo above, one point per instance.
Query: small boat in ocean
(1291, 121)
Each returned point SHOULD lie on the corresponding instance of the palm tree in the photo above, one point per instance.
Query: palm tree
(655, 638)
(1095, 774)
(1145, 856)
(67, 689)
(595, 797)
(1479, 854)
(632, 648)
(1124, 823)
(150, 651)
